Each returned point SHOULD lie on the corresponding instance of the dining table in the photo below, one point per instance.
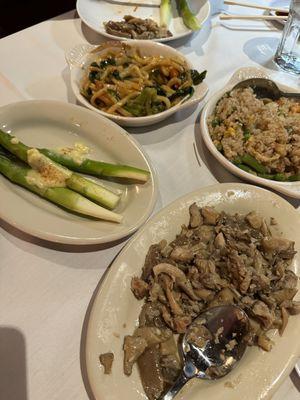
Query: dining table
(46, 289)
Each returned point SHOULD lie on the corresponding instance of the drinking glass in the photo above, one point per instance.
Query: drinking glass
(287, 56)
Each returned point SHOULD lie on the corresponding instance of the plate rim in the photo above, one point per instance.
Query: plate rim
(161, 40)
(91, 309)
(70, 240)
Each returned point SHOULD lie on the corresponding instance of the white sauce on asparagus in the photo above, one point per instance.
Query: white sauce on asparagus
(77, 153)
(46, 173)
(14, 140)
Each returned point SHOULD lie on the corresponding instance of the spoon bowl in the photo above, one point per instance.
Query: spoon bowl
(212, 345)
(265, 88)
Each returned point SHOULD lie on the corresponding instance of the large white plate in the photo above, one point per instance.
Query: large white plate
(115, 310)
(291, 189)
(95, 12)
(53, 124)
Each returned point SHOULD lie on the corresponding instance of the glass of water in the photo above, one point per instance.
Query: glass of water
(288, 52)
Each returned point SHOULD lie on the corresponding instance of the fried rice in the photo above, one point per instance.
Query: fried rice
(268, 131)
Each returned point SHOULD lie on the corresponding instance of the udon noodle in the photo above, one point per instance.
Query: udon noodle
(121, 81)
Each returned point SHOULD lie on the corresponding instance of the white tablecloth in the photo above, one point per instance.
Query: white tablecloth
(45, 289)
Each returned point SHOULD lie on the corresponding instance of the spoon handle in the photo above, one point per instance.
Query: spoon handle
(292, 95)
(179, 383)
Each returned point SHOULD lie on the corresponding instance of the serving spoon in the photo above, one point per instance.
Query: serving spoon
(265, 88)
(212, 345)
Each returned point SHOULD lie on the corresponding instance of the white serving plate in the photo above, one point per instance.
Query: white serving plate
(95, 12)
(115, 310)
(80, 58)
(291, 189)
(53, 124)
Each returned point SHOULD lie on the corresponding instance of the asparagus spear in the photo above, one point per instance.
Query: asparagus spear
(165, 13)
(87, 166)
(189, 19)
(84, 186)
(98, 168)
(25, 176)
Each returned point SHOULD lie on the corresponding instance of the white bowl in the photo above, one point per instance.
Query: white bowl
(291, 189)
(79, 58)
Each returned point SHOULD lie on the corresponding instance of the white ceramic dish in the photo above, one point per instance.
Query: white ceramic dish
(79, 58)
(95, 13)
(291, 189)
(53, 124)
(297, 368)
(115, 310)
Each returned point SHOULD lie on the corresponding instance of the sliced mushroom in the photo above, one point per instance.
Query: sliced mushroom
(170, 270)
(139, 288)
(284, 318)
(182, 254)
(195, 216)
(174, 306)
(225, 296)
(261, 311)
(181, 323)
(264, 342)
(276, 244)
(210, 215)
(133, 347)
(220, 241)
(254, 220)
(106, 360)
(153, 335)
(284, 294)
(151, 373)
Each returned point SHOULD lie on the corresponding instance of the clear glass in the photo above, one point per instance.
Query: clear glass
(288, 52)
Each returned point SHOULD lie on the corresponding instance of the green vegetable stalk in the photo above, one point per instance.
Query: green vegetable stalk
(254, 164)
(189, 19)
(165, 13)
(99, 168)
(19, 173)
(86, 187)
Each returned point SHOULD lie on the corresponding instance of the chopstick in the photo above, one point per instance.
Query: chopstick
(253, 17)
(251, 5)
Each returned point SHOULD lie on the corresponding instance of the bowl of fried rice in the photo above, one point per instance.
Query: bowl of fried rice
(257, 139)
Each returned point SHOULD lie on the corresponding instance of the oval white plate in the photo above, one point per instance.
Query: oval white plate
(79, 58)
(53, 124)
(115, 310)
(291, 189)
(95, 13)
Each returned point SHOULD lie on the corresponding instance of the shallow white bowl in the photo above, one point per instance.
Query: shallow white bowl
(115, 310)
(95, 13)
(80, 58)
(291, 189)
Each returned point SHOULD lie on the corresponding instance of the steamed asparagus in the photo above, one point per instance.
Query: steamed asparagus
(19, 173)
(165, 13)
(189, 19)
(98, 168)
(87, 166)
(86, 187)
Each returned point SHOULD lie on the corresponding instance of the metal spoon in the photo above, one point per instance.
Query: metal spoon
(265, 88)
(212, 357)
